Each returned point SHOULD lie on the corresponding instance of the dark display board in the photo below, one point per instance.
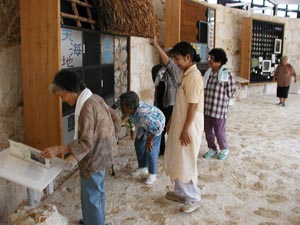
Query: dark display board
(266, 49)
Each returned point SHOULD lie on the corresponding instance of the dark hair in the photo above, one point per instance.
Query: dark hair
(155, 70)
(219, 55)
(130, 99)
(184, 48)
(68, 80)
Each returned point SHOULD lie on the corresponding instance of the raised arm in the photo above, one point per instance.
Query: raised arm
(163, 56)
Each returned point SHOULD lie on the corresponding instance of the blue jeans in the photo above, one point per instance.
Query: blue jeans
(93, 198)
(147, 158)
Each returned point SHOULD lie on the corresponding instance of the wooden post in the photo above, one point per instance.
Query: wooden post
(172, 22)
(246, 48)
(40, 52)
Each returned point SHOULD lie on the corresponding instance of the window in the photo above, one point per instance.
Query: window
(281, 6)
(283, 10)
(268, 11)
(292, 14)
(281, 13)
(258, 2)
(292, 7)
(268, 4)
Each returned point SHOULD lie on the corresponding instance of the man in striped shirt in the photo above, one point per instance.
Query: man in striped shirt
(219, 88)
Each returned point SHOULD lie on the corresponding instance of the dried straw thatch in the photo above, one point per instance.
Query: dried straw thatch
(127, 17)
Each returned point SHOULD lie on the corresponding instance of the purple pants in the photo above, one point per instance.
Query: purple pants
(215, 128)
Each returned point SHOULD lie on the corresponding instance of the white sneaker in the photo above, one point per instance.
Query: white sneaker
(140, 172)
(190, 207)
(151, 179)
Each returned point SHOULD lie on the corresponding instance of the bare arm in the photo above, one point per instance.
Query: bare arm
(163, 56)
(149, 143)
(294, 74)
(185, 135)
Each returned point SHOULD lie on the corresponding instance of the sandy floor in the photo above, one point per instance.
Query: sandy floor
(259, 183)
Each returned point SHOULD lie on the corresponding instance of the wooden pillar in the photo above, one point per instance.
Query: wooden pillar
(40, 51)
(172, 22)
(246, 48)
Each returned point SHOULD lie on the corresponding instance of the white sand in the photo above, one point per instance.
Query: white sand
(259, 183)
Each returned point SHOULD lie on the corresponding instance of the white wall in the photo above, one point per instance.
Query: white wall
(142, 58)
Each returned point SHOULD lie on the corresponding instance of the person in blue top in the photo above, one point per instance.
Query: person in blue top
(149, 122)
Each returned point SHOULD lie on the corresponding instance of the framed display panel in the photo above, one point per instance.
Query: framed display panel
(266, 66)
(71, 48)
(277, 46)
(262, 40)
(107, 49)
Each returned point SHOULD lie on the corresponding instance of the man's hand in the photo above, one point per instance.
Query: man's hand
(54, 151)
(185, 137)
(154, 41)
(149, 143)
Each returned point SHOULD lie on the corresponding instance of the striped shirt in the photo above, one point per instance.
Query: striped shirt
(217, 95)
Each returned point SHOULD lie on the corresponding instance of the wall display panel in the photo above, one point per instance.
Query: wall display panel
(262, 44)
(71, 48)
(107, 49)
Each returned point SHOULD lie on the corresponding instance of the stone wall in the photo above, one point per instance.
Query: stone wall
(11, 107)
(143, 57)
(9, 23)
(121, 66)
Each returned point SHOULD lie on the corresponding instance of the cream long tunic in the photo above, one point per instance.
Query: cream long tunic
(180, 162)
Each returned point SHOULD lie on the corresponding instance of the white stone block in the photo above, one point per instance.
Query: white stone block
(270, 89)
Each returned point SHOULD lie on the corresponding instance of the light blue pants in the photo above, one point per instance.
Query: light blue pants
(147, 158)
(93, 198)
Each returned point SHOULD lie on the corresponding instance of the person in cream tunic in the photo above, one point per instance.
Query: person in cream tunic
(184, 130)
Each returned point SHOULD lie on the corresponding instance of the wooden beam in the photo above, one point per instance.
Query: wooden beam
(40, 52)
(85, 4)
(82, 19)
(75, 11)
(88, 10)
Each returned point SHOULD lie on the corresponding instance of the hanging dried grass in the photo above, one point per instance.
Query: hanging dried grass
(127, 17)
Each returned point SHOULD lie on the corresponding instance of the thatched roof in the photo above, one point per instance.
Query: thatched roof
(127, 17)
